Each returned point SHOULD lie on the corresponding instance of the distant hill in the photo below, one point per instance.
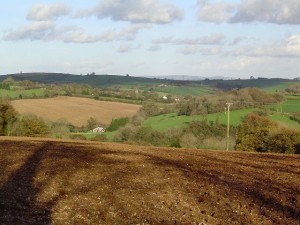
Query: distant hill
(104, 81)
(94, 80)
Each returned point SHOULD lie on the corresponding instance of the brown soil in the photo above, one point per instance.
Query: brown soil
(49, 182)
(75, 110)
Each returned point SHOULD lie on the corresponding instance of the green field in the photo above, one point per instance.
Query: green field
(12, 94)
(289, 106)
(184, 90)
(285, 120)
(280, 86)
(164, 122)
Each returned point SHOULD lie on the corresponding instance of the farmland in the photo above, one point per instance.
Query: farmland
(76, 110)
(163, 122)
(44, 181)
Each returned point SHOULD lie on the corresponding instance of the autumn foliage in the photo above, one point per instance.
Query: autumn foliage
(258, 133)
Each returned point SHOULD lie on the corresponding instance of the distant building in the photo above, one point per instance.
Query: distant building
(98, 130)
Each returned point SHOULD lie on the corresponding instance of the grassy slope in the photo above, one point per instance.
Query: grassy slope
(25, 93)
(285, 121)
(49, 182)
(164, 122)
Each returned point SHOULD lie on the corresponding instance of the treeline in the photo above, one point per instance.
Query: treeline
(242, 98)
(198, 134)
(83, 90)
(257, 133)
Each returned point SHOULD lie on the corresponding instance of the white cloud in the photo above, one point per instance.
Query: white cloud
(48, 31)
(290, 48)
(34, 31)
(218, 12)
(128, 34)
(154, 48)
(44, 12)
(125, 48)
(142, 11)
(194, 49)
(189, 50)
(214, 39)
(270, 11)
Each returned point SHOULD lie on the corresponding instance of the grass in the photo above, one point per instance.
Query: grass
(12, 94)
(281, 86)
(289, 106)
(164, 122)
(185, 90)
(285, 120)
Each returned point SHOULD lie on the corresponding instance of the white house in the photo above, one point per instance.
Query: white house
(98, 130)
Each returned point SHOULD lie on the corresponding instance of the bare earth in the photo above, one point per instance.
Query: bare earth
(49, 182)
(76, 110)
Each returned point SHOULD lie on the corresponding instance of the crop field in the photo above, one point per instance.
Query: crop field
(44, 182)
(164, 122)
(75, 110)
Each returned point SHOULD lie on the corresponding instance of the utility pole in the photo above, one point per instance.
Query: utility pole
(228, 125)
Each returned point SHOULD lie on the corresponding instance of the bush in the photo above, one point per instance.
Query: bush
(30, 126)
(283, 141)
(259, 134)
(8, 116)
(117, 123)
(100, 137)
(77, 137)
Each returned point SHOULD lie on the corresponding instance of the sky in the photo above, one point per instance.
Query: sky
(230, 38)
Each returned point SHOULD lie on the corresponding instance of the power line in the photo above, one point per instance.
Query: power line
(228, 125)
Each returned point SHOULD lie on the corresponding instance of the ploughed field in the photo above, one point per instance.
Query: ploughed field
(44, 181)
(74, 109)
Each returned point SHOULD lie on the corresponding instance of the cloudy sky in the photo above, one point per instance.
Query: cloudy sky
(232, 38)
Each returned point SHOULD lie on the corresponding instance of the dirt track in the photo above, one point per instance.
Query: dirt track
(49, 182)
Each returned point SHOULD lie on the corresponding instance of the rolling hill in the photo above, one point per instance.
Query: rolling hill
(104, 81)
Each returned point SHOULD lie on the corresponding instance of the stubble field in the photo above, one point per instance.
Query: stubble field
(44, 182)
(75, 110)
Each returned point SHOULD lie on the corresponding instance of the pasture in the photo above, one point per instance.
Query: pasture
(75, 110)
(44, 182)
(164, 122)
(15, 94)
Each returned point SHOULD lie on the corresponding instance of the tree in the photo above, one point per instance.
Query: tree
(7, 117)
(31, 126)
(92, 123)
(260, 134)
(284, 141)
(253, 133)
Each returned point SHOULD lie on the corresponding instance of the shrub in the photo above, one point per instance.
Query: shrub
(117, 123)
(283, 141)
(260, 134)
(77, 137)
(30, 126)
(8, 116)
(100, 137)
